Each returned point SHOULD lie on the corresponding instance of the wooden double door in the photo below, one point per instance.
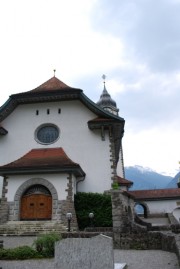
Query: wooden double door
(36, 206)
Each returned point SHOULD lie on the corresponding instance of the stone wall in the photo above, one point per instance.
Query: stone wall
(122, 211)
(4, 210)
(128, 234)
(139, 240)
(166, 241)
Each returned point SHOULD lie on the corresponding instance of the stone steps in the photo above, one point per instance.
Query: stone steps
(31, 227)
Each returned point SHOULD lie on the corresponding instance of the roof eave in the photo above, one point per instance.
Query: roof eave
(76, 170)
(125, 184)
(3, 131)
(51, 96)
(155, 198)
(37, 97)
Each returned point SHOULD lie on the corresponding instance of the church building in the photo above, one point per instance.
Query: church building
(55, 142)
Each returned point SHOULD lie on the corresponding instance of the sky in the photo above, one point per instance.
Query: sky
(135, 43)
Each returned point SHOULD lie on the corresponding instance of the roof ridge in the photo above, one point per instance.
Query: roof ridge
(51, 84)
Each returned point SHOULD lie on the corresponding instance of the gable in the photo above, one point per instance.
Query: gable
(53, 90)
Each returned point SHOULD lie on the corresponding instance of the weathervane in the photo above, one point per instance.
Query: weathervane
(54, 72)
(104, 78)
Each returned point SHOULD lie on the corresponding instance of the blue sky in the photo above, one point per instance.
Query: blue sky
(135, 43)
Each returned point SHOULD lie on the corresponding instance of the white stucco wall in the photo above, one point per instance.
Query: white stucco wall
(164, 206)
(82, 145)
(59, 181)
(120, 165)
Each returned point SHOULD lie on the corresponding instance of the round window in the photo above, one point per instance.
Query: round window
(47, 134)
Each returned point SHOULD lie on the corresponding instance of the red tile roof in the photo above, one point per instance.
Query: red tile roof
(50, 158)
(51, 84)
(155, 194)
(123, 181)
(45, 157)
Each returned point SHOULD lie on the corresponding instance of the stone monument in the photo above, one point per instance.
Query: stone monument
(85, 253)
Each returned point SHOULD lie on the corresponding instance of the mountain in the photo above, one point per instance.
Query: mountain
(173, 182)
(146, 179)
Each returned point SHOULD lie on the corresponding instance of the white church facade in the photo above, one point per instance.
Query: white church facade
(54, 142)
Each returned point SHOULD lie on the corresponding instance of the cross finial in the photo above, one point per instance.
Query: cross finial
(54, 72)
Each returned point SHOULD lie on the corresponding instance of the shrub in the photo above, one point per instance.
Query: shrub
(99, 204)
(19, 253)
(45, 244)
(115, 186)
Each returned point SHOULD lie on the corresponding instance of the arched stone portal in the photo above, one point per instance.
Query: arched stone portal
(47, 187)
(36, 203)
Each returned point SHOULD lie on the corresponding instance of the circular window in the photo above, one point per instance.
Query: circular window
(47, 134)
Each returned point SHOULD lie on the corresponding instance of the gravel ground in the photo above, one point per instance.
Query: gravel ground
(135, 259)
(28, 264)
(147, 259)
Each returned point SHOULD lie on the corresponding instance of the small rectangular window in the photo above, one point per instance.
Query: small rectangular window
(48, 111)
(59, 111)
(37, 112)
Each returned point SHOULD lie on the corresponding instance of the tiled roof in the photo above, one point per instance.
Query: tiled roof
(50, 158)
(123, 181)
(155, 194)
(45, 157)
(51, 84)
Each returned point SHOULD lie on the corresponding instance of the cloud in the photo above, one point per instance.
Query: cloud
(153, 103)
(149, 30)
(135, 43)
(146, 82)
(156, 148)
(38, 37)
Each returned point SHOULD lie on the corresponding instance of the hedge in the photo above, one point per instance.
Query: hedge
(99, 204)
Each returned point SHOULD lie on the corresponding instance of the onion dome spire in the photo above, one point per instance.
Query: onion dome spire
(106, 102)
